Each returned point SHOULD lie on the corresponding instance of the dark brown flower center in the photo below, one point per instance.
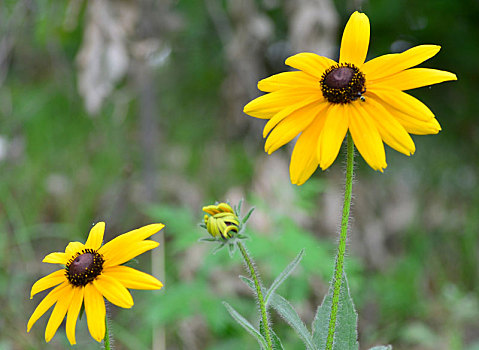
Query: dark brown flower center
(343, 83)
(84, 267)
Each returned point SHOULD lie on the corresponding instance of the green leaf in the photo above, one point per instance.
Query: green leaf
(246, 325)
(346, 335)
(289, 314)
(276, 342)
(246, 217)
(283, 275)
(382, 347)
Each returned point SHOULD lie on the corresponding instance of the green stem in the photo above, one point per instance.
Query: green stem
(259, 293)
(106, 341)
(339, 268)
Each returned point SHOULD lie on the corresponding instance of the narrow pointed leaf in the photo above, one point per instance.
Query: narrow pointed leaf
(289, 314)
(346, 335)
(246, 325)
(276, 342)
(246, 217)
(283, 275)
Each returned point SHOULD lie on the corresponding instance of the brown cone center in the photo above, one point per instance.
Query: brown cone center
(339, 78)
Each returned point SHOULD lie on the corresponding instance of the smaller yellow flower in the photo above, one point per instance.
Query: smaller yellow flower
(221, 221)
(92, 272)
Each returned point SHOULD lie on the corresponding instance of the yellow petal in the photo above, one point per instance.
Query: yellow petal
(412, 79)
(127, 252)
(56, 258)
(287, 80)
(58, 313)
(113, 290)
(310, 63)
(73, 248)
(415, 126)
(412, 123)
(304, 159)
(366, 136)
(404, 103)
(48, 281)
(332, 135)
(95, 238)
(391, 131)
(278, 117)
(131, 278)
(73, 311)
(95, 312)
(47, 303)
(386, 65)
(291, 126)
(121, 242)
(355, 41)
(266, 106)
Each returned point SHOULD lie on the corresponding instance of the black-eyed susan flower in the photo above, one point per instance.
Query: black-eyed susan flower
(92, 272)
(323, 100)
(221, 221)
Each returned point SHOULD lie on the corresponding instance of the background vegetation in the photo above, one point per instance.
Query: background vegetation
(131, 113)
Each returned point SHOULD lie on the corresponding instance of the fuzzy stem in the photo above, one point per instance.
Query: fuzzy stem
(106, 341)
(339, 268)
(259, 293)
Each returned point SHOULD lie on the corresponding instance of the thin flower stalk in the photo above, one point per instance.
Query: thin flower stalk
(339, 268)
(259, 294)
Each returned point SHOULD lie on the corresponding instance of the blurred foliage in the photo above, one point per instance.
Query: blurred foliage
(61, 170)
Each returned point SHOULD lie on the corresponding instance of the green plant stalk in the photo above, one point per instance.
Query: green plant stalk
(106, 341)
(259, 293)
(339, 268)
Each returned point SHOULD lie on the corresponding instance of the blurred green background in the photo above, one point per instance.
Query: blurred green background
(131, 112)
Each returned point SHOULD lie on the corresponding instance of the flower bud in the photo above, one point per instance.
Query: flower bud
(221, 220)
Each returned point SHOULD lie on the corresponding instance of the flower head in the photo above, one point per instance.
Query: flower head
(222, 222)
(91, 272)
(324, 99)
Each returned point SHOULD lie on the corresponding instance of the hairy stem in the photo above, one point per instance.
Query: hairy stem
(339, 268)
(106, 341)
(259, 293)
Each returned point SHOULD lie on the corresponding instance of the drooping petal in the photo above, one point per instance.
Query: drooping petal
(73, 311)
(387, 65)
(413, 78)
(278, 117)
(95, 238)
(48, 281)
(133, 279)
(391, 131)
(95, 312)
(266, 106)
(355, 41)
(287, 80)
(127, 252)
(58, 313)
(310, 63)
(113, 290)
(304, 160)
(291, 126)
(404, 103)
(413, 123)
(47, 303)
(56, 258)
(333, 133)
(366, 136)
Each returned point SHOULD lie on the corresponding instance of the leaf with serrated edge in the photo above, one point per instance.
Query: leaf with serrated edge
(283, 275)
(246, 325)
(346, 335)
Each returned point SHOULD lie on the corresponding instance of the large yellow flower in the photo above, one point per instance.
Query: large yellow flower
(91, 272)
(324, 99)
